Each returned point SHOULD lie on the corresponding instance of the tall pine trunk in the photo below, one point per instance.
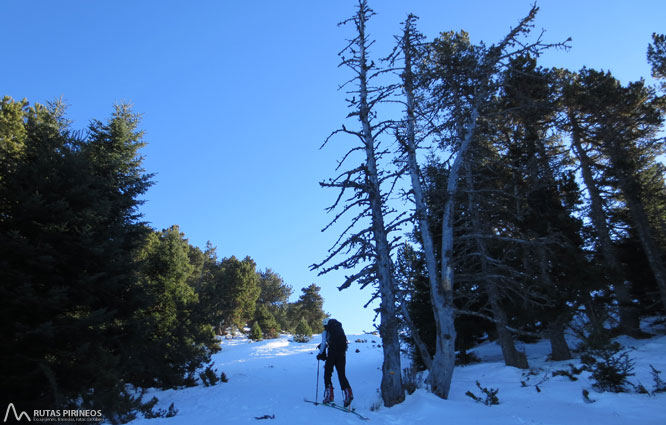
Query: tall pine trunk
(442, 294)
(631, 189)
(409, 146)
(629, 319)
(512, 357)
(555, 327)
(441, 291)
(391, 385)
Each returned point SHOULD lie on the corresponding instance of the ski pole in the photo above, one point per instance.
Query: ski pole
(317, 386)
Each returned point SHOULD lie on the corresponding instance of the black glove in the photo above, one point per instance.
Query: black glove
(321, 356)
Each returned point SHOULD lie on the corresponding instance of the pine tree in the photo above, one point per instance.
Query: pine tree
(266, 320)
(615, 129)
(275, 295)
(656, 55)
(239, 290)
(461, 79)
(309, 306)
(255, 332)
(69, 233)
(598, 214)
(303, 333)
(179, 338)
(545, 200)
(12, 132)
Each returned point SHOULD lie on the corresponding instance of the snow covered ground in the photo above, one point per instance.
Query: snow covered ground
(273, 377)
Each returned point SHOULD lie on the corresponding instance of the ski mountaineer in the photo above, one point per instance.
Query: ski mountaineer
(335, 339)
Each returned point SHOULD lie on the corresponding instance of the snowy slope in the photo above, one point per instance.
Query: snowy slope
(273, 377)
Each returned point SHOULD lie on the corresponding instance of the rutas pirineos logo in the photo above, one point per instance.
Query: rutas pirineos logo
(12, 415)
(17, 416)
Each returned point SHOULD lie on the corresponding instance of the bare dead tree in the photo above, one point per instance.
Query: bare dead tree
(364, 244)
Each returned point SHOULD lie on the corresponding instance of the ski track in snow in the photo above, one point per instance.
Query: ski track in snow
(273, 377)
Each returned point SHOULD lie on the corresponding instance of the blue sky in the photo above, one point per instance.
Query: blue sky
(237, 97)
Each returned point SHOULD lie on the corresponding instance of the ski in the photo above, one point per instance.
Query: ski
(338, 407)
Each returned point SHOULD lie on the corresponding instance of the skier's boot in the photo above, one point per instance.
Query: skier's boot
(328, 395)
(348, 396)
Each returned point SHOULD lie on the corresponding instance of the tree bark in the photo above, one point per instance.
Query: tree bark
(558, 343)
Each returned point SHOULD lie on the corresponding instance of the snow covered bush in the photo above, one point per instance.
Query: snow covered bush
(303, 333)
(659, 384)
(171, 412)
(150, 413)
(611, 367)
(571, 373)
(209, 376)
(491, 398)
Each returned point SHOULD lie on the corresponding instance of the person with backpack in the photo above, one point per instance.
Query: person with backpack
(335, 340)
